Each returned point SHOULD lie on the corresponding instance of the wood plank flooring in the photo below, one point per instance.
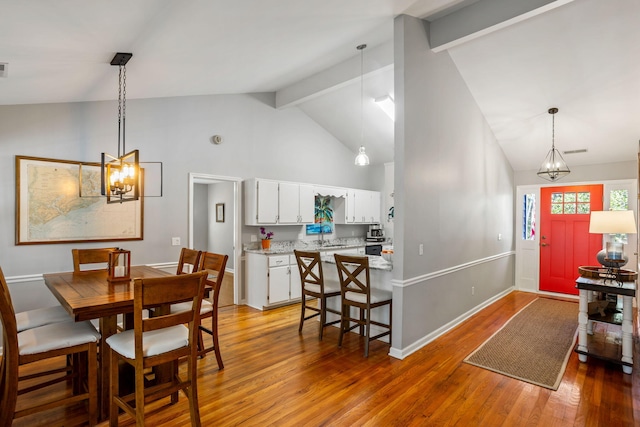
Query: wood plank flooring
(275, 376)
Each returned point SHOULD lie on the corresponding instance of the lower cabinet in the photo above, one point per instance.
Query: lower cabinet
(273, 280)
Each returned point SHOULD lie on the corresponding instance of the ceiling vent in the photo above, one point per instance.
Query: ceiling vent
(582, 150)
(4, 69)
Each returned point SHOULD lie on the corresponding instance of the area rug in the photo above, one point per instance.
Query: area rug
(534, 345)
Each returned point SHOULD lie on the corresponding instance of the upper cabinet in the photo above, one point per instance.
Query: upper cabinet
(295, 203)
(270, 202)
(360, 207)
(261, 202)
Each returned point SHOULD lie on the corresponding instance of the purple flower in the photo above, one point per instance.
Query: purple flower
(266, 234)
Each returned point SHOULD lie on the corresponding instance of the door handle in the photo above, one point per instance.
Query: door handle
(544, 244)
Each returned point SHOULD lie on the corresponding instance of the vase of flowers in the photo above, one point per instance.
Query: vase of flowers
(266, 238)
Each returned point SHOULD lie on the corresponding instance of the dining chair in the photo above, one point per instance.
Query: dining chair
(156, 340)
(189, 261)
(315, 288)
(76, 339)
(90, 256)
(214, 264)
(356, 291)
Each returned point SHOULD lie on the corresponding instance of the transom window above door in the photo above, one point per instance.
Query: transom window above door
(571, 203)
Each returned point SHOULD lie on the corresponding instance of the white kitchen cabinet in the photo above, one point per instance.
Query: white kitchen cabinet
(261, 202)
(269, 202)
(362, 207)
(273, 202)
(273, 280)
(296, 203)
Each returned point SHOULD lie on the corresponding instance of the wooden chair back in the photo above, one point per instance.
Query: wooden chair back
(310, 268)
(158, 294)
(314, 287)
(354, 275)
(189, 261)
(90, 256)
(214, 264)
(10, 354)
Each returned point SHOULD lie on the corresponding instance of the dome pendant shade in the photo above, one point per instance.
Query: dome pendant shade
(553, 167)
(362, 159)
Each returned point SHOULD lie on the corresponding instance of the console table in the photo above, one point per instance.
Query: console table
(588, 344)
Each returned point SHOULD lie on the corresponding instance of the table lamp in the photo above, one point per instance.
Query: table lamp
(612, 222)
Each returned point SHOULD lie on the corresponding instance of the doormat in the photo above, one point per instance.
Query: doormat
(534, 345)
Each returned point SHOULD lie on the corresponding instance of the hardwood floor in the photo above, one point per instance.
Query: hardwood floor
(275, 376)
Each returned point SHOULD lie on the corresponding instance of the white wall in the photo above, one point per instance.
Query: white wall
(453, 194)
(200, 217)
(220, 237)
(258, 141)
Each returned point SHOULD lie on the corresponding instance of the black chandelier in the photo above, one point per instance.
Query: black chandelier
(120, 176)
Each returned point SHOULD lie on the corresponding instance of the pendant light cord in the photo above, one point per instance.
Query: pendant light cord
(361, 49)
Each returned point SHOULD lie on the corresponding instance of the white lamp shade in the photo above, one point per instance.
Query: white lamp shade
(362, 159)
(612, 222)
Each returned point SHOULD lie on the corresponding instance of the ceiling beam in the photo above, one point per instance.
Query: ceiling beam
(483, 17)
(375, 58)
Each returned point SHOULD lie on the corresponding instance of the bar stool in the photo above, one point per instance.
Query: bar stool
(315, 287)
(356, 291)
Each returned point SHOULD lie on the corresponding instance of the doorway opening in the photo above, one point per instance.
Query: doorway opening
(215, 223)
(616, 195)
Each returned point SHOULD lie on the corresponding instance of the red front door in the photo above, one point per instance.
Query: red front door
(565, 242)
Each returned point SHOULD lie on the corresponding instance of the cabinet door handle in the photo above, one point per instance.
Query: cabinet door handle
(544, 244)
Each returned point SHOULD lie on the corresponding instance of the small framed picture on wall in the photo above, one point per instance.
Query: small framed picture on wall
(219, 212)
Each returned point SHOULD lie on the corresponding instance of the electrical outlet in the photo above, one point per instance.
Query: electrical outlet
(421, 249)
(473, 290)
(175, 241)
(254, 238)
(499, 236)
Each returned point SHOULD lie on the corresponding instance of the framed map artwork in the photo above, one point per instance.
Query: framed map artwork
(59, 201)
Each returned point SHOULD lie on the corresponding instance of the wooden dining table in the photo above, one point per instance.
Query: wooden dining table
(88, 295)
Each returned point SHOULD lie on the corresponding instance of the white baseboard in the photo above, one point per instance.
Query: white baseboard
(417, 345)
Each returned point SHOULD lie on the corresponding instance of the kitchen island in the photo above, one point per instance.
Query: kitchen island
(273, 279)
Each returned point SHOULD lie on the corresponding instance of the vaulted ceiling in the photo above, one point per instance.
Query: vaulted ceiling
(581, 56)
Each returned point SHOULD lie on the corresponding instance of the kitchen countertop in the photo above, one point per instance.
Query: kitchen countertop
(375, 262)
(284, 248)
(326, 249)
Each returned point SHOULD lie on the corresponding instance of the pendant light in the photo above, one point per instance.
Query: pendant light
(553, 167)
(362, 159)
(120, 175)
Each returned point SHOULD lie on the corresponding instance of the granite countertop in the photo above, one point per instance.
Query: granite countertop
(285, 248)
(375, 262)
(325, 248)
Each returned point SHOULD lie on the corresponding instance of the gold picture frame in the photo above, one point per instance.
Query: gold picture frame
(59, 201)
(219, 212)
